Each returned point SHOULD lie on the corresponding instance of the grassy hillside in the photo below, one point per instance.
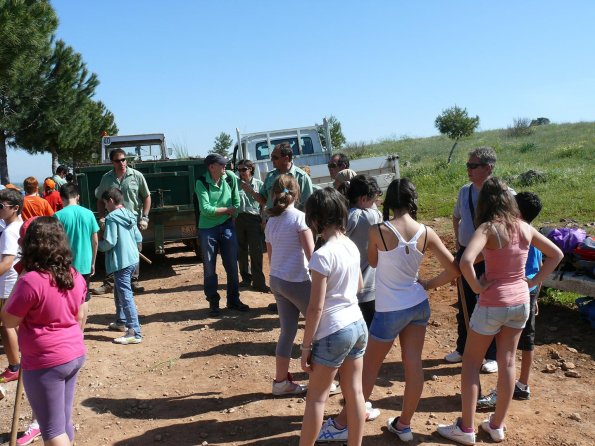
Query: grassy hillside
(565, 153)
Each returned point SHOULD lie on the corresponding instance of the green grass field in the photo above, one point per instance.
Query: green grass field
(565, 153)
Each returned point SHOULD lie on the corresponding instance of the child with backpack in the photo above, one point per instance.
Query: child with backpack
(335, 336)
(120, 245)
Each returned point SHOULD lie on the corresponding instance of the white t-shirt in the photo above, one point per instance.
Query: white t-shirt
(288, 261)
(9, 245)
(338, 260)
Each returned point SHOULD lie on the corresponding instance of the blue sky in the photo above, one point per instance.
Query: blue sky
(192, 69)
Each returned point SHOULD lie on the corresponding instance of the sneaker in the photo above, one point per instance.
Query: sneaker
(8, 375)
(335, 388)
(496, 434)
(489, 366)
(371, 412)
(329, 433)
(453, 357)
(128, 338)
(403, 434)
(106, 288)
(453, 432)
(520, 394)
(117, 326)
(488, 401)
(29, 436)
(238, 305)
(288, 387)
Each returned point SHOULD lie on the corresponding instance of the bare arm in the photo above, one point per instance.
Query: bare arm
(373, 246)
(313, 315)
(446, 260)
(6, 263)
(476, 245)
(147, 205)
(94, 243)
(269, 251)
(455, 225)
(307, 242)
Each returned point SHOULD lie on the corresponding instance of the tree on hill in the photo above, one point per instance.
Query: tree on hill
(222, 144)
(456, 124)
(26, 28)
(337, 137)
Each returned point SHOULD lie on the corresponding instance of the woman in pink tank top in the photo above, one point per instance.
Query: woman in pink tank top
(503, 307)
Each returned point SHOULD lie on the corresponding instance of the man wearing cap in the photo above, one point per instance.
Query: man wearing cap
(60, 176)
(281, 157)
(51, 195)
(137, 199)
(218, 200)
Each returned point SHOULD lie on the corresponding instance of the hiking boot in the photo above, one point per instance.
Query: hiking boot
(106, 288)
(117, 326)
(8, 375)
(520, 394)
(371, 412)
(489, 366)
(405, 434)
(128, 338)
(453, 432)
(488, 401)
(288, 387)
(453, 357)
(330, 433)
(497, 434)
(238, 305)
(29, 436)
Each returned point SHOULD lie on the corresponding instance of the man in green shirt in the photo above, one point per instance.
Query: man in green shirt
(218, 201)
(137, 199)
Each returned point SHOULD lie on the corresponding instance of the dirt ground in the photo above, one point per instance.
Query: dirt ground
(197, 380)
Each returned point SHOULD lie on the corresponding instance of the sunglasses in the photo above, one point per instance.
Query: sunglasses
(119, 160)
(474, 165)
(2, 205)
(242, 169)
(275, 157)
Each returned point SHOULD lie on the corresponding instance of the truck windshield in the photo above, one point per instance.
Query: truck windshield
(263, 152)
(139, 152)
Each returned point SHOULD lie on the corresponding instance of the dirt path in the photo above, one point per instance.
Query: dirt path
(199, 380)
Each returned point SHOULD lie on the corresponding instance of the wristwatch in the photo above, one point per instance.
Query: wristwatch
(145, 218)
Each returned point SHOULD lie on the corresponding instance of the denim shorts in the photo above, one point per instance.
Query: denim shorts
(387, 325)
(349, 341)
(489, 320)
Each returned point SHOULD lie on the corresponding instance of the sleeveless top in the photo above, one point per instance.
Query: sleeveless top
(506, 265)
(397, 287)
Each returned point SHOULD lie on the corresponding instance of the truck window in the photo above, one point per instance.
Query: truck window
(263, 152)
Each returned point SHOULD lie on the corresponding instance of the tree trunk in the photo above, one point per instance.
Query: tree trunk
(54, 160)
(452, 150)
(4, 178)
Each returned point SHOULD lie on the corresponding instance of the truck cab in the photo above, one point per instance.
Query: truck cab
(147, 147)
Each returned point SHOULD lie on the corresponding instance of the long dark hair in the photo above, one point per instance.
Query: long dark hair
(400, 195)
(46, 249)
(496, 203)
(326, 207)
(362, 186)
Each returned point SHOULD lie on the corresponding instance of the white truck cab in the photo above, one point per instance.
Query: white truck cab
(309, 151)
(146, 147)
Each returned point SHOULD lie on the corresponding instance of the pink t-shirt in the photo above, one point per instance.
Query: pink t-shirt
(49, 334)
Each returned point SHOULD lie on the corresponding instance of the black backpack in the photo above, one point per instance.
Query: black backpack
(203, 180)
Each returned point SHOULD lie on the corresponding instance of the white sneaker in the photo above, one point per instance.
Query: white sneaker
(329, 433)
(335, 388)
(128, 338)
(288, 387)
(453, 432)
(371, 412)
(403, 434)
(489, 366)
(453, 357)
(496, 434)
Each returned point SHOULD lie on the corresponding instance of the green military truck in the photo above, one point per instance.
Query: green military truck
(171, 183)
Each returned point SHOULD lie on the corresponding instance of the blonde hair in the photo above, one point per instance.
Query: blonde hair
(286, 191)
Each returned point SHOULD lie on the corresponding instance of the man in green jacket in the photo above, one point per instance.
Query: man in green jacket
(219, 200)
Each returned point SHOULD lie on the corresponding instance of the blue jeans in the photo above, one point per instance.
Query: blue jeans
(124, 299)
(220, 239)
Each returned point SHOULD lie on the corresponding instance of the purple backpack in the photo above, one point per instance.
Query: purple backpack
(567, 239)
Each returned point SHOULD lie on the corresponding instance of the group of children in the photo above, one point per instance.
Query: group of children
(46, 262)
(352, 323)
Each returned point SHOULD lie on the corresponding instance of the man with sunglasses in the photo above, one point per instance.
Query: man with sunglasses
(137, 199)
(282, 159)
(480, 166)
(337, 163)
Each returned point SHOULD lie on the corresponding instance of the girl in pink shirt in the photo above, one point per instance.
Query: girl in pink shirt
(46, 306)
(503, 308)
